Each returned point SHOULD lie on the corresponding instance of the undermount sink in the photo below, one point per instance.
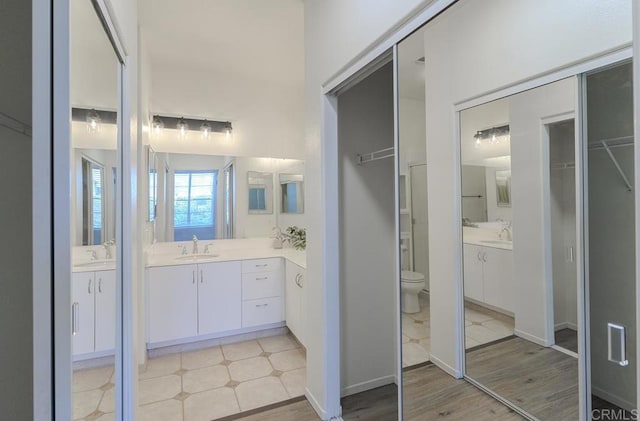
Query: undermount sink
(500, 242)
(196, 257)
(95, 263)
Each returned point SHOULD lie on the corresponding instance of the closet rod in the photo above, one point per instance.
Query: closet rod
(14, 124)
(617, 165)
(375, 155)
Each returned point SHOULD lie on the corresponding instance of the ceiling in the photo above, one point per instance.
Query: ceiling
(256, 39)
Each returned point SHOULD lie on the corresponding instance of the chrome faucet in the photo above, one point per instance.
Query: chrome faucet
(195, 244)
(206, 249)
(183, 251)
(505, 232)
(107, 249)
(94, 255)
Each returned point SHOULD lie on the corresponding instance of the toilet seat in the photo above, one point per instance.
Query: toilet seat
(412, 277)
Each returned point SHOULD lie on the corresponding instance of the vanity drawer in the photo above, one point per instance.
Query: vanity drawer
(261, 312)
(261, 265)
(261, 285)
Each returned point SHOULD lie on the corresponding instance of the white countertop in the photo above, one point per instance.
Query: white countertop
(485, 237)
(168, 254)
(298, 257)
(496, 244)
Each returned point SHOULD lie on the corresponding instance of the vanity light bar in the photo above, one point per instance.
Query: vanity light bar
(193, 124)
(106, 116)
(492, 132)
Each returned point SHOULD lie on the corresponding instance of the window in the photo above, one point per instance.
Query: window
(194, 205)
(257, 196)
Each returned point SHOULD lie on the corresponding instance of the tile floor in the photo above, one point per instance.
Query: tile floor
(201, 385)
(481, 326)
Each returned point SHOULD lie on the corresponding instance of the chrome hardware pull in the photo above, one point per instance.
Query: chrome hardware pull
(262, 305)
(193, 277)
(89, 287)
(100, 285)
(75, 314)
(262, 279)
(262, 266)
(201, 276)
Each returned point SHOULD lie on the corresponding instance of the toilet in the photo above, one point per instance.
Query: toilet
(411, 285)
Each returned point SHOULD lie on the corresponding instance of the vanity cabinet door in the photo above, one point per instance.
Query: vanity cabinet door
(498, 278)
(82, 312)
(105, 299)
(473, 277)
(294, 284)
(219, 297)
(173, 302)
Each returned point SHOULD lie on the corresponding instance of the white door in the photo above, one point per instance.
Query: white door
(82, 312)
(173, 303)
(105, 312)
(219, 297)
(420, 224)
(498, 278)
(473, 287)
(292, 298)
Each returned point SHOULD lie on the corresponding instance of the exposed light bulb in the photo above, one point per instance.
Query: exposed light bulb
(93, 121)
(205, 129)
(156, 126)
(228, 129)
(182, 127)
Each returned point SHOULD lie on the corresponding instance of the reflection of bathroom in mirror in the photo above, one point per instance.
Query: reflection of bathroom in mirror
(152, 174)
(291, 193)
(260, 192)
(217, 197)
(94, 163)
(519, 272)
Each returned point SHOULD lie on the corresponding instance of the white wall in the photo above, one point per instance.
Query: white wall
(267, 118)
(16, 321)
(528, 31)
(335, 32)
(531, 254)
(368, 281)
(412, 145)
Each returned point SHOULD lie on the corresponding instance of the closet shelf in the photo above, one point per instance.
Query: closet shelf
(617, 142)
(375, 155)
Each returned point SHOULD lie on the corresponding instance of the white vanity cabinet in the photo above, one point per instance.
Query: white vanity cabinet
(185, 301)
(219, 295)
(294, 300)
(261, 292)
(93, 313)
(488, 276)
(172, 302)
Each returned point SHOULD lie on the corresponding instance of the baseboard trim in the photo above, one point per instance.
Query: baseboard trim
(368, 385)
(532, 338)
(565, 325)
(614, 399)
(315, 405)
(445, 367)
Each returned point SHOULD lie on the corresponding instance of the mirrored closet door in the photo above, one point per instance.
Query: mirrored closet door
(519, 240)
(95, 101)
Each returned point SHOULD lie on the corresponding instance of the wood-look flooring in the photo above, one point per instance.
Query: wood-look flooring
(429, 394)
(540, 380)
(567, 339)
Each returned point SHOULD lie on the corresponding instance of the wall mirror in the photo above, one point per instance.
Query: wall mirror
(503, 188)
(260, 192)
(152, 174)
(521, 318)
(216, 197)
(291, 193)
(94, 198)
